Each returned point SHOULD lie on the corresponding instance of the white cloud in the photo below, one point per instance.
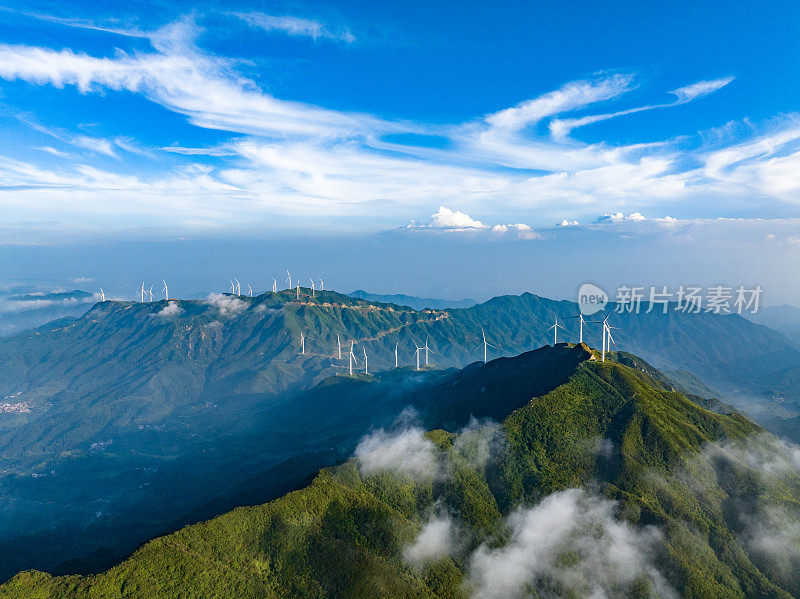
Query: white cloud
(619, 217)
(295, 26)
(445, 219)
(406, 451)
(93, 144)
(606, 556)
(292, 159)
(53, 151)
(436, 539)
(700, 89)
(568, 223)
(228, 306)
(171, 310)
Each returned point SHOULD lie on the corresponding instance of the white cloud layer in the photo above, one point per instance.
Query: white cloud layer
(604, 556)
(405, 451)
(290, 159)
(436, 539)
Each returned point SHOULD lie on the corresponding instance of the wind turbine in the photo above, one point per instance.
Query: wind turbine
(555, 328)
(417, 353)
(151, 293)
(426, 351)
(238, 286)
(289, 278)
(143, 291)
(395, 354)
(581, 322)
(366, 369)
(298, 289)
(352, 358)
(166, 291)
(485, 345)
(312, 287)
(233, 288)
(102, 295)
(274, 285)
(251, 289)
(302, 344)
(321, 285)
(339, 345)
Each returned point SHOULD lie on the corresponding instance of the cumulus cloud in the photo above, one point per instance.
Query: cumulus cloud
(568, 223)
(445, 219)
(571, 542)
(436, 539)
(228, 306)
(406, 451)
(619, 217)
(171, 310)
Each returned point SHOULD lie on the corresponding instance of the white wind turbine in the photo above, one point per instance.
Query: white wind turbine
(151, 293)
(352, 358)
(321, 285)
(238, 286)
(607, 344)
(302, 344)
(581, 322)
(339, 346)
(312, 288)
(102, 295)
(289, 278)
(426, 351)
(251, 290)
(166, 290)
(485, 346)
(366, 368)
(555, 328)
(417, 352)
(274, 285)
(143, 291)
(233, 288)
(298, 289)
(395, 355)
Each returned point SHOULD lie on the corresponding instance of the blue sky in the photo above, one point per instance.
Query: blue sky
(527, 129)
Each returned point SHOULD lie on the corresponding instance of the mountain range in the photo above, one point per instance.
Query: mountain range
(212, 403)
(579, 478)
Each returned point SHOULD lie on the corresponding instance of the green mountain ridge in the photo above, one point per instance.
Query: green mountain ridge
(667, 489)
(207, 401)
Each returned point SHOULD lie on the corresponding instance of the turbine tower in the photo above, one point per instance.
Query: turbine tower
(166, 290)
(312, 287)
(555, 328)
(366, 368)
(102, 295)
(485, 346)
(302, 344)
(289, 279)
(238, 286)
(251, 289)
(352, 357)
(274, 285)
(426, 351)
(339, 345)
(143, 292)
(321, 285)
(233, 288)
(581, 322)
(417, 353)
(395, 354)
(298, 289)
(151, 293)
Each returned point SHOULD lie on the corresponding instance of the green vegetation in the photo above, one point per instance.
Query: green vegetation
(614, 428)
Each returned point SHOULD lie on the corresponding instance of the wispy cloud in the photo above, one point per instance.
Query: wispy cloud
(561, 128)
(292, 158)
(296, 26)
